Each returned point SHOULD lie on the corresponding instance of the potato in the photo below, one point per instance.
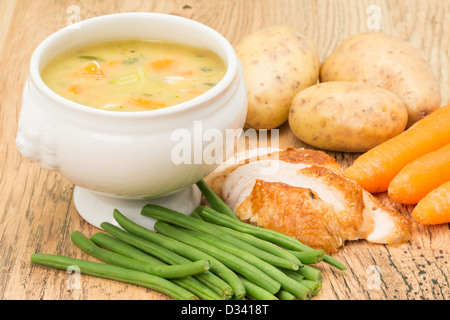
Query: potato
(346, 116)
(278, 62)
(390, 63)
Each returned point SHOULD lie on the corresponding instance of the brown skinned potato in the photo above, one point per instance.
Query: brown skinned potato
(387, 62)
(346, 116)
(278, 62)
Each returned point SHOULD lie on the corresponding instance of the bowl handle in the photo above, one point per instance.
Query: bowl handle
(35, 138)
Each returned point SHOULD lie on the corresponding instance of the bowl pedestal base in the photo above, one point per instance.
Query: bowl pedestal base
(96, 208)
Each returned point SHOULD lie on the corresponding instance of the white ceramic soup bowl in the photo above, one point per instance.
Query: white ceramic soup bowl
(124, 160)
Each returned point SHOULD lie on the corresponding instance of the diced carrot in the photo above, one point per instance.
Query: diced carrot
(161, 64)
(434, 208)
(420, 176)
(376, 168)
(147, 103)
(91, 69)
(186, 73)
(114, 63)
(75, 89)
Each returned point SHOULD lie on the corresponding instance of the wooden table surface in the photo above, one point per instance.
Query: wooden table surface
(37, 213)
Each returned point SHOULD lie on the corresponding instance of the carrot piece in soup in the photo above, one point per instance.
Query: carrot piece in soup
(376, 168)
(74, 89)
(91, 69)
(161, 64)
(186, 73)
(421, 176)
(147, 103)
(434, 208)
(114, 63)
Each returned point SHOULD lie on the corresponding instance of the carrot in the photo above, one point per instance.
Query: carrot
(420, 176)
(375, 169)
(434, 208)
(74, 89)
(147, 103)
(161, 64)
(114, 63)
(91, 69)
(186, 73)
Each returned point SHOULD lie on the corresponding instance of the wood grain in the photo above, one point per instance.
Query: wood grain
(37, 213)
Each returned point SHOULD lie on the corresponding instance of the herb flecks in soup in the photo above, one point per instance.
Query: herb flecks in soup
(134, 75)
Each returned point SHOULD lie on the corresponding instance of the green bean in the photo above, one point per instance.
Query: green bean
(263, 245)
(257, 242)
(195, 214)
(284, 295)
(108, 242)
(182, 249)
(177, 218)
(237, 264)
(255, 292)
(214, 200)
(91, 58)
(149, 247)
(310, 273)
(313, 285)
(115, 273)
(286, 282)
(210, 279)
(294, 275)
(309, 257)
(163, 271)
(190, 283)
(212, 216)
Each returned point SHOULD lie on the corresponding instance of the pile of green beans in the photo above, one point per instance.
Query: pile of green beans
(126, 263)
(233, 222)
(209, 255)
(270, 280)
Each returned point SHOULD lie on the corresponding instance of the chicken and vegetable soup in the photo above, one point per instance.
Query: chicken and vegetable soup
(134, 75)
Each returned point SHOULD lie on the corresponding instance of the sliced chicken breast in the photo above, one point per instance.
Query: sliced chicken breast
(304, 193)
(382, 225)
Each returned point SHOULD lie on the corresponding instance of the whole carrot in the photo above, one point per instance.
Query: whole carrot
(421, 176)
(434, 208)
(376, 168)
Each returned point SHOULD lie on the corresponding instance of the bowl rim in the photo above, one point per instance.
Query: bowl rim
(222, 85)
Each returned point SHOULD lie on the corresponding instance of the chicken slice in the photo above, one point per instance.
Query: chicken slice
(298, 212)
(382, 225)
(304, 193)
(291, 155)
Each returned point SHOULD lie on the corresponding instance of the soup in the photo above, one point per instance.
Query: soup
(134, 75)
